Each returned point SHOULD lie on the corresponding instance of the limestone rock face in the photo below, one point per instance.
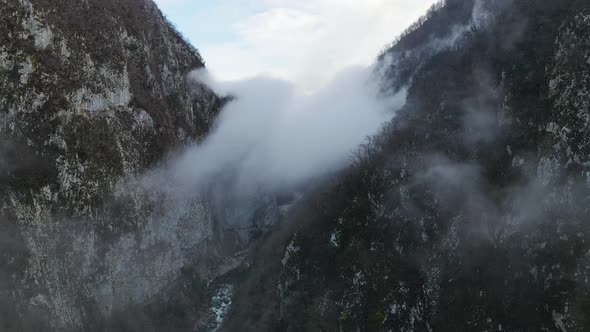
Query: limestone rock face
(92, 94)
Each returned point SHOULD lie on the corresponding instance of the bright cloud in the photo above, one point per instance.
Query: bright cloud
(305, 41)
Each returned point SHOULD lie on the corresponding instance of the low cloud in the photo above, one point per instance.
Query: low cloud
(272, 136)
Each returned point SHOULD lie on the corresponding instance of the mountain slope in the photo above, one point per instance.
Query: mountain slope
(92, 94)
(468, 212)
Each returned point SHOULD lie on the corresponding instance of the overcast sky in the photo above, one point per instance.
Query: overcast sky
(304, 41)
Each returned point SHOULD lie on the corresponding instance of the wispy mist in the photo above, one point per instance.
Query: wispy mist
(273, 136)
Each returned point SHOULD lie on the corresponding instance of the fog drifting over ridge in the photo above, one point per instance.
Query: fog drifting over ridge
(274, 136)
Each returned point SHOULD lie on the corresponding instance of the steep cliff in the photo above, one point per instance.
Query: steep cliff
(92, 94)
(469, 211)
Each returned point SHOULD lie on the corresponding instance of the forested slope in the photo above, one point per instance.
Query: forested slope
(469, 211)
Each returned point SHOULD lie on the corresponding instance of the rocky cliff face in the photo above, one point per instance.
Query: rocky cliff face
(469, 212)
(92, 94)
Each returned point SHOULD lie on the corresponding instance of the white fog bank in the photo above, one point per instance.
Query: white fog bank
(273, 136)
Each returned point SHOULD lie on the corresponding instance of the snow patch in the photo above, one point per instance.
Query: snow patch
(26, 69)
(291, 249)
